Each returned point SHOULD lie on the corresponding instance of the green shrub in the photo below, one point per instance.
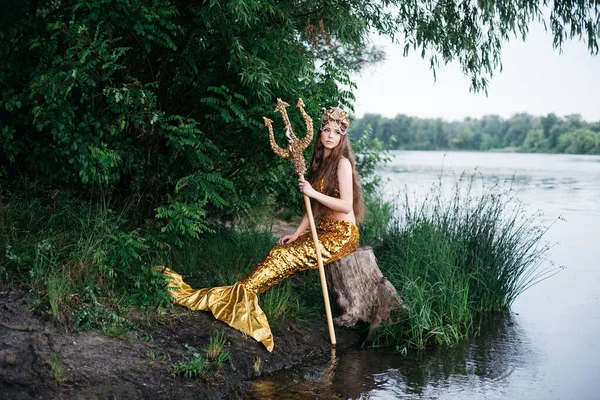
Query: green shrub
(101, 318)
(67, 251)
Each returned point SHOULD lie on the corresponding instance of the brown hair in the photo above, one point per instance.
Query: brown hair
(325, 169)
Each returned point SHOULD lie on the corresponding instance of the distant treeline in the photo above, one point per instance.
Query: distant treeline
(521, 132)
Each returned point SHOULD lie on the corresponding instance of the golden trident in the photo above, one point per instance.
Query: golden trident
(295, 150)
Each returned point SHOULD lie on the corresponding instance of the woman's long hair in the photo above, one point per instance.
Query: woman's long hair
(325, 169)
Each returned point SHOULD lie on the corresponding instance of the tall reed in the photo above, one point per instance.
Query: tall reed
(454, 256)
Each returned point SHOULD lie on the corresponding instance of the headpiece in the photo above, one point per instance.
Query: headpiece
(335, 114)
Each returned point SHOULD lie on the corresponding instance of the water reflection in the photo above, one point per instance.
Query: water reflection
(312, 381)
(486, 365)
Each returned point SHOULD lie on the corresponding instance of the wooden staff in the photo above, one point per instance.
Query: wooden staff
(313, 230)
(295, 151)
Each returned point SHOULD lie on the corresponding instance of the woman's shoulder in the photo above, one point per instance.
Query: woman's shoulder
(344, 163)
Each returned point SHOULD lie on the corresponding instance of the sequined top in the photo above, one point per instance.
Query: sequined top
(320, 187)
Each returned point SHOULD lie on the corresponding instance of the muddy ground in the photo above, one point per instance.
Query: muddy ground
(43, 359)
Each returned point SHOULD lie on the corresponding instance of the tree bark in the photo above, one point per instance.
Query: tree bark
(361, 290)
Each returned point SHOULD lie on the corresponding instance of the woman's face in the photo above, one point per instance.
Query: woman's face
(331, 136)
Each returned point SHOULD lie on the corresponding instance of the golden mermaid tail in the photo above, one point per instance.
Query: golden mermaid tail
(237, 305)
(233, 305)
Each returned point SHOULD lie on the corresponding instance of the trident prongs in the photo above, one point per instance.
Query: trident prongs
(278, 150)
(295, 147)
(309, 125)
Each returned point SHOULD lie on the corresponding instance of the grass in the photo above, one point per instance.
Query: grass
(454, 257)
(151, 355)
(377, 219)
(100, 317)
(221, 258)
(206, 365)
(56, 369)
(59, 291)
(193, 368)
(282, 302)
(116, 330)
(215, 345)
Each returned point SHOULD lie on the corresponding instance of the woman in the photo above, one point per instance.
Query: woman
(337, 201)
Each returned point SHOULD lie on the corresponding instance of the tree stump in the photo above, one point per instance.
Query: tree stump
(360, 289)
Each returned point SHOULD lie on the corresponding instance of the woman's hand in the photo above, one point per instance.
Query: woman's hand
(287, 239)
(306, 188)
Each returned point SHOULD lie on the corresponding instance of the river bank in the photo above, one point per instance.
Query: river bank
(451, 257)
(40, 358)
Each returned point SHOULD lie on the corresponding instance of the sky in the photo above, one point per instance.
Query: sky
(535, 79)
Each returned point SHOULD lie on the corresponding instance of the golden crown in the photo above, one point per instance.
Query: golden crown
(335, 114)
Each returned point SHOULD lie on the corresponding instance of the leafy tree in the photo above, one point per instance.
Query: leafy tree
(549, 124)
(162, 100)
(519, 126)
(535, 141)
(463, 139)
(573, 122)
(521, 132)
(580, 141)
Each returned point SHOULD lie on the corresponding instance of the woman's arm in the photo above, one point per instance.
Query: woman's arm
(345, 202)
(301, 228)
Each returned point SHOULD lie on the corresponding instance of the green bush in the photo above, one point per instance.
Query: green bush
(70, 251)
(101, 318)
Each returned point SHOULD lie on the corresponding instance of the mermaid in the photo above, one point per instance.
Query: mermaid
(334, 190)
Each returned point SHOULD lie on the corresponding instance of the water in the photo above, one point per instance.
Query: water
(545, 348)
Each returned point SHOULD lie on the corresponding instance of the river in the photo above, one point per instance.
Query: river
(545, 348)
